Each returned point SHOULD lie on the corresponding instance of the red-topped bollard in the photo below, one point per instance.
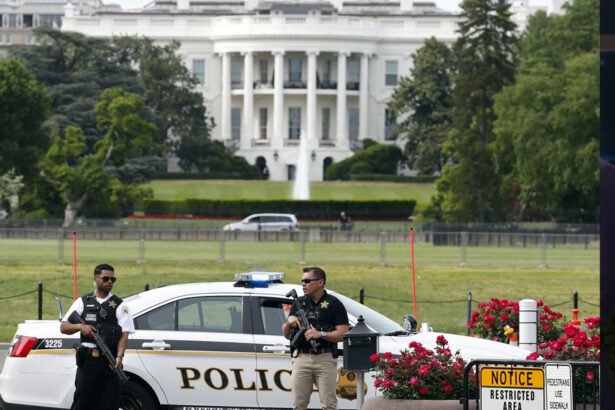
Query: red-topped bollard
(575, 318)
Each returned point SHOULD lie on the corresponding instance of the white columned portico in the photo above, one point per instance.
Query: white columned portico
(342, 129)
(278, 100)
(248, 99)
(225, 123)
(363, 92)
(311, 100)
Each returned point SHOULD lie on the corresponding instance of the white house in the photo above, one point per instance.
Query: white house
(272, 71)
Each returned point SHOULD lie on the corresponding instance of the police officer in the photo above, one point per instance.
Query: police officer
(96, 386)
(328, 322)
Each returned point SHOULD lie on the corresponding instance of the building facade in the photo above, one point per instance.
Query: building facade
(274, 72)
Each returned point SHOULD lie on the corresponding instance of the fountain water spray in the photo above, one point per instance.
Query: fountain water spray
(301, 187)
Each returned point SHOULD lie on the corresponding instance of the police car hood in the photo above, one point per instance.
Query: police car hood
(470, 348)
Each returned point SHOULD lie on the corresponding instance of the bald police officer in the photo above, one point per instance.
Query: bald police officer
(328, 322)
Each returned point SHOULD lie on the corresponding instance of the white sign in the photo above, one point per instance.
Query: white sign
(511, 388)
(558, 386)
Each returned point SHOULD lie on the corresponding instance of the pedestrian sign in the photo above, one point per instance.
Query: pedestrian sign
(558, 386)
(511, 388)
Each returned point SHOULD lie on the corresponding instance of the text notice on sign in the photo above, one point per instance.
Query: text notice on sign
(558, 386)
(511, 388)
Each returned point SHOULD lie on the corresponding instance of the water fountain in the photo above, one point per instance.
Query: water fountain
(301, 187)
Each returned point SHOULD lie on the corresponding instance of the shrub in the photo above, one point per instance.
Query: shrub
(421, 373)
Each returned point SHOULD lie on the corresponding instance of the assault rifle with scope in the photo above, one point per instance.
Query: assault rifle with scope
(74, 318)
(305, 324)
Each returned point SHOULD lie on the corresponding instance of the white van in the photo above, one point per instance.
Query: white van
(265, 222)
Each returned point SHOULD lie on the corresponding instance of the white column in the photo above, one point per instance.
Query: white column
(310, 127)
(342, 122)
(363, 92)
(225, 121)
(248, 100)
(278, 100)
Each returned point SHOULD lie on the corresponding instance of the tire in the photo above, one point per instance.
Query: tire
(136, 397)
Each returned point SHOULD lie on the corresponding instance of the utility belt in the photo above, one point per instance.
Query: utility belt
(320, 350)
(84, 352)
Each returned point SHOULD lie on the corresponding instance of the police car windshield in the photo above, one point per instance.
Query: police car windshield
(373, 319)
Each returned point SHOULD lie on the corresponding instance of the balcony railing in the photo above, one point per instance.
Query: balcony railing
(294, 84)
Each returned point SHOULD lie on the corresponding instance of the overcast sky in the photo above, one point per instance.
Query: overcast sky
(451, 5)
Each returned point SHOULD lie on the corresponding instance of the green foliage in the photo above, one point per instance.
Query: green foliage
(423, 101)
(378, 159)
(304, 209)
(76, 170)
(470, 186)
(24, 106)
(548, 122)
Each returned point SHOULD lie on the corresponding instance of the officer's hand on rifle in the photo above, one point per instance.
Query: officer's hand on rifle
(312, 333)
(119, 363)
(87, 330)
(293, 321)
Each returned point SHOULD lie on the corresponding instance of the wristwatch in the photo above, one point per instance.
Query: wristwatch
(323, 334)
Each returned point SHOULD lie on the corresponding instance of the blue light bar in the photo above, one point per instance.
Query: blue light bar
(259, 276)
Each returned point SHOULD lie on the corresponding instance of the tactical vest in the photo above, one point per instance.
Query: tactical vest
(103, 317)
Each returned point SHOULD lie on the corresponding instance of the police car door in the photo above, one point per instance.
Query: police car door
(200, 350)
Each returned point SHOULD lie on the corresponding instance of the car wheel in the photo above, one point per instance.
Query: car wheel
(135, 397)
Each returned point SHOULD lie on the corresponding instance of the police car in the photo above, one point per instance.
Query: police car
(205, 346)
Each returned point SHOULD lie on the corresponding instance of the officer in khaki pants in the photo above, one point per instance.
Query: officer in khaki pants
(328, 322)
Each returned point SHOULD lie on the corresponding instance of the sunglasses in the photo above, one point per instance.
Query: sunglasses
(306, 281)
(108, 278)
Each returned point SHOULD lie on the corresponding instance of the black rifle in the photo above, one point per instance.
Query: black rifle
(74, 318)
(305, 324)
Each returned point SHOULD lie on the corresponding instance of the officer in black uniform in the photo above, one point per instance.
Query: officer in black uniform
(316, 364)
(96, 386)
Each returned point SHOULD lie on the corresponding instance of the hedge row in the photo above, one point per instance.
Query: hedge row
(304, 209)
(196, 175)
(392, 178)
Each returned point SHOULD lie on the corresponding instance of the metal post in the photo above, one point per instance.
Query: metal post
(469, 315)
(61, 246)
(543, 253)
(382, 250)
(141, 247)
(40, 300)
(146, 287)
(359, 389)
(222, 246)
(464, 244)
(575, 300)
(302, 260)
(362, 296)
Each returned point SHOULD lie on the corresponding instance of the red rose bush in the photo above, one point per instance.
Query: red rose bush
(420, 373)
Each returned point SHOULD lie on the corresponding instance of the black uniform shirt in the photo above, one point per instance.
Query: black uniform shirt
(324, 315)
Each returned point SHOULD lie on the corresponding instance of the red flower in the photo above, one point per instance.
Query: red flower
(374, 358)
(388, 383)
(423, 390)
(590, 376)
(414, 381)
(441, 340)
(387, 355)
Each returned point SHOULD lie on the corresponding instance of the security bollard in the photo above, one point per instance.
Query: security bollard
(528, 317)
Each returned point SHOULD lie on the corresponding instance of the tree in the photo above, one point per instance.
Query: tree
(10, 185)
(424, 101)
(377, 159)
(548, 121)
(469, 188)
(24, 106)
(77, 170)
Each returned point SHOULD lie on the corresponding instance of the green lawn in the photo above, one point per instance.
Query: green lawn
(240, 189)
(442, 284)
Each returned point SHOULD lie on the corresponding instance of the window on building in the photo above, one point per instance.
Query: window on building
(198, 70)
(353, 76)
(263, 71)
(294, 69)
(390, 78)
(294, 123)
(353, 124)
(28, 20)
(327, 72)
(235, 123)
(389, 125)
(262, 123)
(326, 123)
(236, 73)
